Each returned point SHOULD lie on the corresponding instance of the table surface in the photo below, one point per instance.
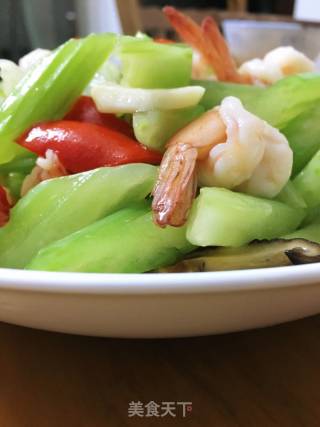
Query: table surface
(264, 378)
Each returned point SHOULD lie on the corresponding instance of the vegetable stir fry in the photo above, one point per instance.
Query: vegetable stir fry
(129, 155)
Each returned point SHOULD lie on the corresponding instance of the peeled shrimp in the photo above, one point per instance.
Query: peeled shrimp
(226, 147)
(278, 63)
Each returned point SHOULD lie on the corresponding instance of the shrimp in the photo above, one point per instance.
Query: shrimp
(177, 182)
(226, 147)
(46, 168)
(208, 41)
(212, 50)
(278, 63)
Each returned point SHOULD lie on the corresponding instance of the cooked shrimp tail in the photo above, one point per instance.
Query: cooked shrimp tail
(176, 185)
(216, 42)
(188, 30)
(191, 33)
(208, 41)
(177, 182)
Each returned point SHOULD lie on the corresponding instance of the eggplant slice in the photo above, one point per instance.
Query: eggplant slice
(258, 254)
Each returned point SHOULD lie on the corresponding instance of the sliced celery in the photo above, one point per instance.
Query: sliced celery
(303, 134)
(154, 128)
(221, 217)
(307, 182)
(13, 182)
(125, 242)
(278, 104)
(22, 165)
(150, 65)
(310, 232)
(291, 197)
(287, 99)
(49, 90)
(60, 206)
(217, 91)
(312, 216)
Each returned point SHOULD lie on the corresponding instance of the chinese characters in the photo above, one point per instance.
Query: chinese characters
(160, 409)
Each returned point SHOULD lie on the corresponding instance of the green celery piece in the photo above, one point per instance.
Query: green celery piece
(291, 197)
(125, 242)
(13, 182)
(150, 65)
(13, 173)
(2, 94)
(303, 134)
(221, 217)
(312, 215)
(60, 206)
(216, 91)
(310, 232)
(287, 99)
(22, 165)
(278, 104)
(49, 90)
(307, 182)
(154, 128)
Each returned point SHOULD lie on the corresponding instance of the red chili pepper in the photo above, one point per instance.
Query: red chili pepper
(85, 110)
(84, 146)
(4, 207)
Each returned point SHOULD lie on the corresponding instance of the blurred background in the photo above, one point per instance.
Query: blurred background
(252, 27)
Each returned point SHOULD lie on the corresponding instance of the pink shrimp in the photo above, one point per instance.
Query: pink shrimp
(225, 147)
(207, 40)
(177, 182)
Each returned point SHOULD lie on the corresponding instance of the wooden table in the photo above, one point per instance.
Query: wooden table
(267, 377)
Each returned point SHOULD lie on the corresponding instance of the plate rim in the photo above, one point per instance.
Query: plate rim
(159, 283)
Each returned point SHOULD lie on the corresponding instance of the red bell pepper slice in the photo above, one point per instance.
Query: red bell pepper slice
(85, 110)
(4, 207)
(84, 146)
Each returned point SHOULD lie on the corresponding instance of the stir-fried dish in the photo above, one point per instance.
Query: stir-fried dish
(129, 155)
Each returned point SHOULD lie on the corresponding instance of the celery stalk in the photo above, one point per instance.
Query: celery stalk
(154, 128)
(310, 232)
(221, 217)
(58, 207)
(303, 134)
(287, 99)
(216, 91)
(150, 65)
(291, 197)
(48, 91)
(125, 242)
(312, 215)
(278, 104)
(22, 165)
(307, 182)
(13, 182)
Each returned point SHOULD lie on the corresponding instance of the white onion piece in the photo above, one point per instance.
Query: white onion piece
(119, 99)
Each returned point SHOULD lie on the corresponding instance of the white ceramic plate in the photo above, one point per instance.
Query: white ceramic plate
(158, 305)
